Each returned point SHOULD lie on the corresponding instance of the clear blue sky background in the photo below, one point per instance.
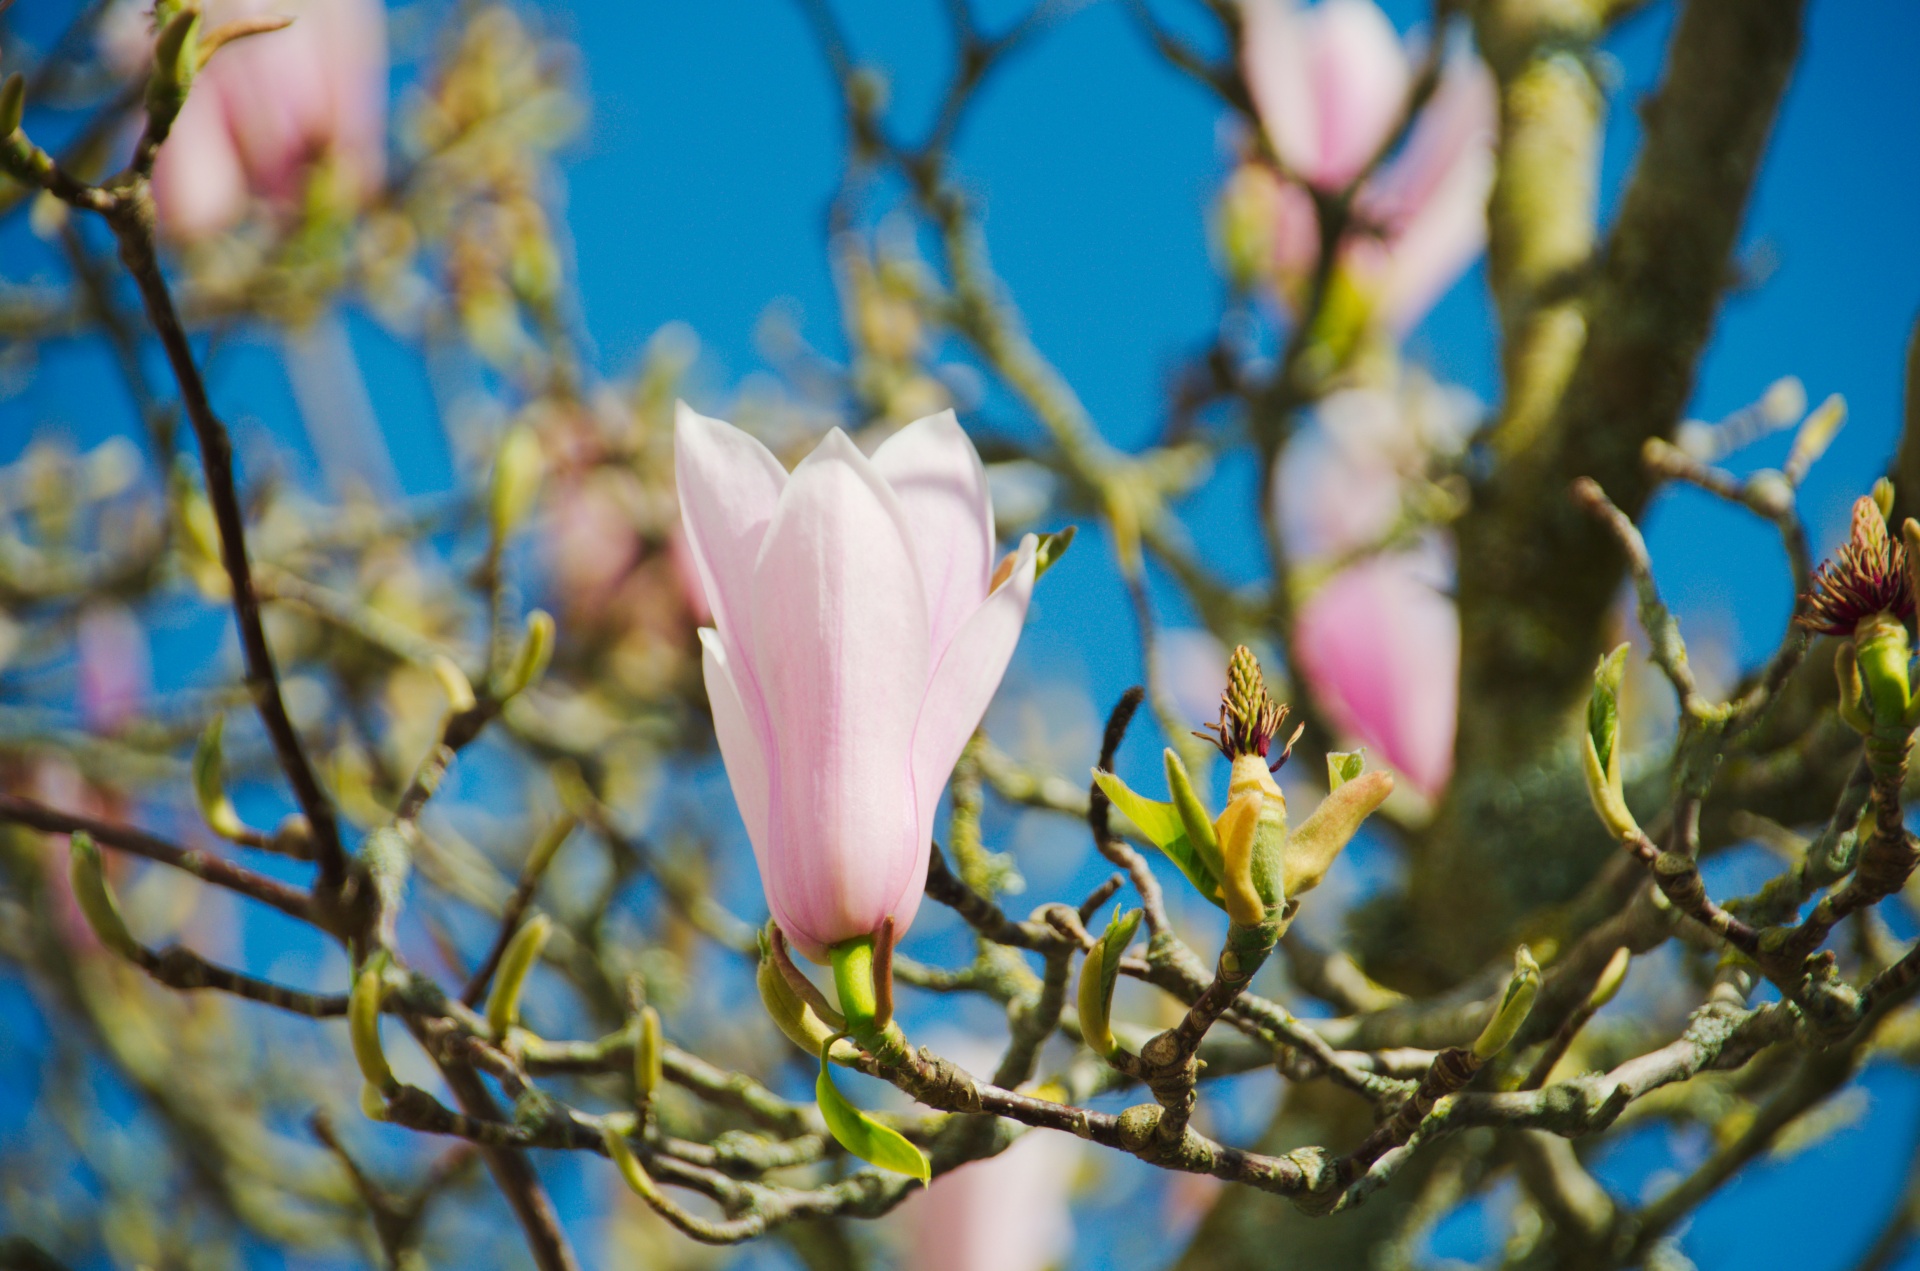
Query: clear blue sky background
(697, 194)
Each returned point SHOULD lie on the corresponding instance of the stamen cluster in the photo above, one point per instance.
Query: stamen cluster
(1868, 576)
(1249, 719)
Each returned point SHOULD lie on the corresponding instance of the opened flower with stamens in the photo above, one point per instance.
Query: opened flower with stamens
(1866, 593)
(860, 627)
(1246, 860)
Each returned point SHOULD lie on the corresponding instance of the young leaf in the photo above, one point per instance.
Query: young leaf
(1193, 815)
(860, 1134)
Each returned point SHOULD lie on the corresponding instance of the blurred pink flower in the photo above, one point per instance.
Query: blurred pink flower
(116, 669)
(1330, 83)
(860, 629)
(1344, 478)
(1006, 1213)
(1380, 644)
(270, 108)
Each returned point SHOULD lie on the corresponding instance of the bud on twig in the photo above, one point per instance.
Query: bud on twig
(1612, 976)
(95, 897)
(503, 1002)
(13, 103)
(1097, 978)
(454, 683)
(209, 783)
(176, 59)
(647, 1060)
(1514, 1007)
(518, 468)
(1601, 749)
(363, 1023)
(531, 659)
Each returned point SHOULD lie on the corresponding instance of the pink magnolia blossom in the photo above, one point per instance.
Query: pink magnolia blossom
(860, 628)
(1010, 1212)
(116, 668)
(1330, 83)
(1380, 644)
(270, 108)
(1006, 1213)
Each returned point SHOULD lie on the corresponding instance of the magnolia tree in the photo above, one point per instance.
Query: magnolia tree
(373, 933)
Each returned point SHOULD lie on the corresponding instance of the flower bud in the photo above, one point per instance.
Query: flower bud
(176, 59)
(454, 683)
(518, 468)
(1514, 1007)
(95, 897)
(363, 1023)
(531, 659)
(209, 783)
(1612, 976)
(1097, 978)
(503, 1003)
(1883, 497)
(13, 103)
(647, 1060)
(1343, 766)
(1815, 434)
(1601, 750)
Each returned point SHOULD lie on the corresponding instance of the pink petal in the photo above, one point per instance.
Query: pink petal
(1359, 83)
(729, 486)
(942, 487)
(839, 650)
(740, 728)
(1274, 58)
(199, 187)
(1438, 244)
(1381, 648)
(353, 45)
(964, 683)
(1007, 1213)
(1462, 117)
(116, 666)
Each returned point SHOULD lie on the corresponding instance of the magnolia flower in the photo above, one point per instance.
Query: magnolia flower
(1010, 1212)
(1330, 84)
(860, 628)
(269, 110)
(1380, 644)
(116, 668)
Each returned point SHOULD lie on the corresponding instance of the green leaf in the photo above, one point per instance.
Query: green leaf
(1343, 766)
(1052, 547)
(1603, 707)
(860, 1134)
(1193, 815)
(1161, 823)
(1158, 821)
(209, 782)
